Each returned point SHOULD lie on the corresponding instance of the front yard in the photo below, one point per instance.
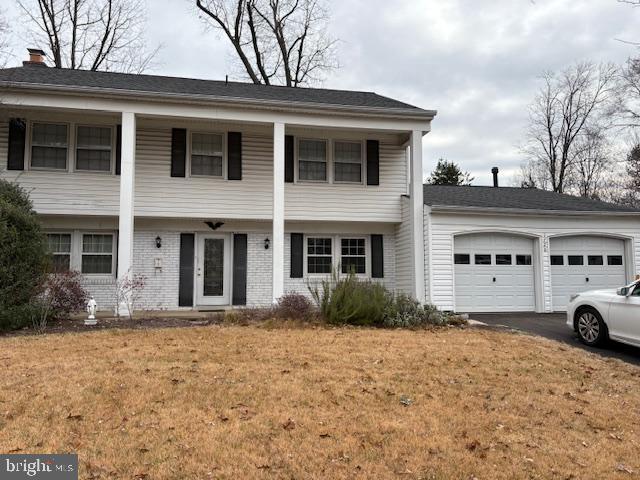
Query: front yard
(245, 402)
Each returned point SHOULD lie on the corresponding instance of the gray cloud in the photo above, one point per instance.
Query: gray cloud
(476, 61)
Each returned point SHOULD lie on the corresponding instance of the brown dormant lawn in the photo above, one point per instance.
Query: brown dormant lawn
(249, 402)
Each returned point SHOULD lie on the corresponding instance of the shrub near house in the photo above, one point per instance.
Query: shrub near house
(23, 256)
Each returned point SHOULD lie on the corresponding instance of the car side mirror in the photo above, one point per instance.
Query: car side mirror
(624, 291)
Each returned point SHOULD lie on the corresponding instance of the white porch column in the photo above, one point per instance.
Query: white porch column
(417, 216)
(127, 181)
(277, 251)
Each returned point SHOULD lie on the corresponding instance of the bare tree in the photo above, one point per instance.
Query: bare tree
(593, 164)
(276, 41)
(4, 39)
(91, 34)
(629, 94)
(571, 106)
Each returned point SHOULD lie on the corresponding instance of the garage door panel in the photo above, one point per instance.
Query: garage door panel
(476, 290)
(571, 279)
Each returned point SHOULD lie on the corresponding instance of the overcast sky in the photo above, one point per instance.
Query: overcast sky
(475, 61)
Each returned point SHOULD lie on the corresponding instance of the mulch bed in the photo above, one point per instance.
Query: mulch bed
(77, 325)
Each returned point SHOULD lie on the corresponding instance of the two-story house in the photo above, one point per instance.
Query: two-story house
(226, 193)
(220, 193)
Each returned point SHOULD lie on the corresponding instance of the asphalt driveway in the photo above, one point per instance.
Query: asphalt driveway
(552, 326)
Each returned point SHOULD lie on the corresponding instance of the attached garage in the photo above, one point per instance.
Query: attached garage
(585, 262)
(506, 249)
(494, 273)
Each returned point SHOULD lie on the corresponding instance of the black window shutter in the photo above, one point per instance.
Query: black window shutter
(373, 162)
(239, 295)
(17, 137)
(377, 257)
(117, 250)
(234, 156)
(288, 158)
(118, 149)
(297, 254)
(178, 152)
(185, 283)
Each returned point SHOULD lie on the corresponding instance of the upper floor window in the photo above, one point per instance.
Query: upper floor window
(60, 249)
(49, 144)
(93, 148)
(206, 154)
(347, 162)
(97, 253)
(312, 160)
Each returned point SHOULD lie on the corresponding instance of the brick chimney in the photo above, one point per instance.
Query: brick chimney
(36, 57)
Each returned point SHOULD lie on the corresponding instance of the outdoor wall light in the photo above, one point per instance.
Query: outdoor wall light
(158, 242)
(266, 243)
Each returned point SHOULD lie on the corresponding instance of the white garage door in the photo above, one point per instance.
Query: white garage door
(583, 263)
(494, 273)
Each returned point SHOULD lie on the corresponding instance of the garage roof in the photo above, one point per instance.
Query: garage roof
(38, 76)
(514, 198)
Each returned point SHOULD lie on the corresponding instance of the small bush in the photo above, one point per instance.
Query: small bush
(351, 301)
(405, 312)
(293, 306)
(65, 294)
(18, 316)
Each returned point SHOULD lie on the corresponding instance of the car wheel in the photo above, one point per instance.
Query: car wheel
(591, 328)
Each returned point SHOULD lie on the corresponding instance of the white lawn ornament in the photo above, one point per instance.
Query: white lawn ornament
(92, 306)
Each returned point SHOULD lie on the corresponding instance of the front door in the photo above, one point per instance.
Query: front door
(213, 270)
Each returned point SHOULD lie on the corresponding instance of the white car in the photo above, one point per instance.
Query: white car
(601, 314)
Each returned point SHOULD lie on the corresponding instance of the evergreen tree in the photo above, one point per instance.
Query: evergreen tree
(449, 173)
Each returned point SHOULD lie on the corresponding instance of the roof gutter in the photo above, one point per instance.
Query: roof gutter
(526, 211)
(301, 107)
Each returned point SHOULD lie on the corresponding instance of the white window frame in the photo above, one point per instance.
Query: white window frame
(113, 253)
(70, 252)
(113, 148)
(224, 153)
(328, 163)
(31, 145)
(334, 161)
(336, 254)
(367, 254)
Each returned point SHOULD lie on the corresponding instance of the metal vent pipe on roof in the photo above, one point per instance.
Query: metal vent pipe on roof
(495, 171)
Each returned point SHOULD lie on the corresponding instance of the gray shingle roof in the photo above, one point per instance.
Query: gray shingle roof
(514, 198)
(35, 76)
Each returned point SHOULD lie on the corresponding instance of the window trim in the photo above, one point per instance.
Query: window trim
(363, 152)
(113, 148)
(223, 134)
(561, 257)
(511, 259)
(306, 254)
(569, 264)
(336, 242)
(609, 264)
(113, 253)
(70, 252)
(525, 255)
(367, 255)
(29, 150)
(328, 163)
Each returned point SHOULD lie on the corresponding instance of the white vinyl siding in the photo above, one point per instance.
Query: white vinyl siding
(49, 146)
(157, 194)
(94, 145)
(544, 228)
